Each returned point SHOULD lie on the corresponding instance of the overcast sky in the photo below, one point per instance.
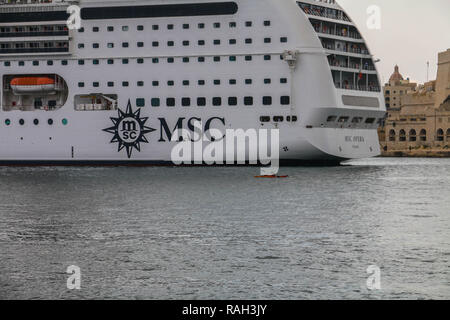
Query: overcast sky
(412, 33)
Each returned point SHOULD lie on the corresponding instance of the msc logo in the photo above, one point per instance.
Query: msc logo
(129, 130)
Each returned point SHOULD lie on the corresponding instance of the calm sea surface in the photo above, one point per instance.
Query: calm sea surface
(219, 233)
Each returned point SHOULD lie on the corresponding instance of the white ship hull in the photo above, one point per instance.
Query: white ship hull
(71, 132)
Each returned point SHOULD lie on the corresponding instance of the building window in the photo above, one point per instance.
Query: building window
(201, 42)
(217, 101)
(216, 25)
(216, 42)
(81, 84)
(185, 60)
(267, 40)
(248, 23)
(110, 45)
(248, 58)
(232, 82)
(140, 44)
(392, 135)
(140, 61)
(95, 45)
(201, 26)
(125, 28)
(170, 27)
(35, 63)
(81, 46)
(201, 59)
(155, 27)
(232, 41)
(201, 82)
(95, 29)
(185, 26)
(110, 29)
(125, 84)
(95, 62)
(185, 82)
(125, 45)
(248, 81)
(110, 61)
(64, 62)
(440, 135)
(125, 61)
(283, 39)
(186, 43)
(248, 41)
(402, 135)
(170, 43)
(81, 62)
(140, 83)
(232, 24)
(110, 84)
(170, 60)
(267, 57)
(267, 23)
(155, 83)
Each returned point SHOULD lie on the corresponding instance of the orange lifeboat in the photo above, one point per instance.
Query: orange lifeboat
(32, 85)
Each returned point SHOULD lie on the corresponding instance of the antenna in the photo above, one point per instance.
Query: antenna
(428, 70)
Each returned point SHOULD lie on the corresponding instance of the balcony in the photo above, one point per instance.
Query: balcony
(324, 12)
(33, 50)
(34, 34)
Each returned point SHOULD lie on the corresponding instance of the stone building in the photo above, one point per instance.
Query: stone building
(396, 89)
(420, 124)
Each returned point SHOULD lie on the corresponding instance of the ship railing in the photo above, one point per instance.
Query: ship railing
(370, 88)
(33, 50)
(33, 34)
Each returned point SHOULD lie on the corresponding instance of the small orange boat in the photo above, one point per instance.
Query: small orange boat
(30, 85)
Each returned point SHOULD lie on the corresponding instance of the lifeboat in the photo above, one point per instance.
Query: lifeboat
(32, 85)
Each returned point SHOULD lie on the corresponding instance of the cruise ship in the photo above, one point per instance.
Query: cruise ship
(115, 89)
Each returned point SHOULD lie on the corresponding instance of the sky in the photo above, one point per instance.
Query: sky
(412, 32)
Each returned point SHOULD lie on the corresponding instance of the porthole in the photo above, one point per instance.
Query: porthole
(8, 122)
(50, 122)
(36, 122)
(64, 121)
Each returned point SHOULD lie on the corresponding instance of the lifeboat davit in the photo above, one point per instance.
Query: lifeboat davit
(32, 85)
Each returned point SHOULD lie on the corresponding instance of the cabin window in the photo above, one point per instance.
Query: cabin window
(170, 102)
(248, 101)
(156, 102)
(285, 100)
(201, 102)
(140, 102)
(232, 101)
(267, 101)
(186, 102)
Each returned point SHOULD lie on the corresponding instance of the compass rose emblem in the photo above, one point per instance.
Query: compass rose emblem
(129, 130)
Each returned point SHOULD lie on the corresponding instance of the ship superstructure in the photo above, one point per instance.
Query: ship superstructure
(119, 87)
